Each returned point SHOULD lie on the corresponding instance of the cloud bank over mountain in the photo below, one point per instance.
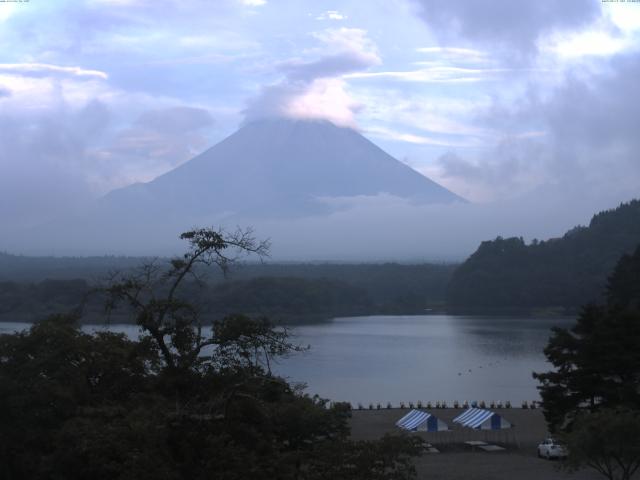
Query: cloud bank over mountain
(315, 89)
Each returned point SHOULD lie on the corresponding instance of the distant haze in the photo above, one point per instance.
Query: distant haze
(317, 190)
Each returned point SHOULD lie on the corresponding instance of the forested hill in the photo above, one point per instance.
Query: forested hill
(32, 288)
(561, 272)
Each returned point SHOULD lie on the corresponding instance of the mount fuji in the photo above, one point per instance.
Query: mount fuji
(278, 169)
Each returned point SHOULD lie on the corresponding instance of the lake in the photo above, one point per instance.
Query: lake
(410, 358)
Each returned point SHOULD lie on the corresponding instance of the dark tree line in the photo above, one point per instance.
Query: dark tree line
(564, 272)
(291, 294)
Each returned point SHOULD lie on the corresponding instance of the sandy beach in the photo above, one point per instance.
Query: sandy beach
(457, 461)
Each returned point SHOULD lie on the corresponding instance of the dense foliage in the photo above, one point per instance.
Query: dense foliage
(607, 441)
(597, 362)
(182, 402)
(565, 272)
(42, 298)
(26, 269)
(289, 298)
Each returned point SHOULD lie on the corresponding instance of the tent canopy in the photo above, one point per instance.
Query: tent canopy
(419, 421)
(481, 419)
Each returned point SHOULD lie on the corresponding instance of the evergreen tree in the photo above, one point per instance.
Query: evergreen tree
(597, 362)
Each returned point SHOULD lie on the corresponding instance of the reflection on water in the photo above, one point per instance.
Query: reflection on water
(428, 358)
(410, 358)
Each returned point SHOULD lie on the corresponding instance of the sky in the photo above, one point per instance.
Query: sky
(503, 102)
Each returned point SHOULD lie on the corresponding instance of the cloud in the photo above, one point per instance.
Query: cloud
(156, 142)
(591, 123)
(363, 228)
(60, 160)
(505, 24)
(388, 228)
(584, 139)
(44, 69)
(331, 15)
(253, 3)
(589, 43)
(420, 139)
(512, 168)
(118, 3)
(422, 125)
(315, 88)
(67, 139)
(457, 53)
(42, 164)
(175, 119)
(6, 10)
(445, 65)
(438, 74)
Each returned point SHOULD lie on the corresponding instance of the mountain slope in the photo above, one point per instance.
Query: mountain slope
(560, 272)
(280, 168)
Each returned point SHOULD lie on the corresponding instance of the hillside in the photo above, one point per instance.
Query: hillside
(561, 272)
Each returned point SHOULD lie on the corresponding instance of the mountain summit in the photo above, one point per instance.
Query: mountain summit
(277, 168)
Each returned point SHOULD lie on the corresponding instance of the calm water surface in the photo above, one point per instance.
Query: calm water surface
(428, 358)
(410, 358)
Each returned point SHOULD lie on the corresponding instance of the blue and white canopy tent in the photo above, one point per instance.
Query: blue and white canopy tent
(480, 419)
(487, 421)
(419, 421)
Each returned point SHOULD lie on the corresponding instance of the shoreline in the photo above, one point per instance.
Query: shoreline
(529, 424)
(291, 319)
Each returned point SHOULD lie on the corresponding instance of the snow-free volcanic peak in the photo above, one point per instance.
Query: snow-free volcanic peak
(282, 167)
